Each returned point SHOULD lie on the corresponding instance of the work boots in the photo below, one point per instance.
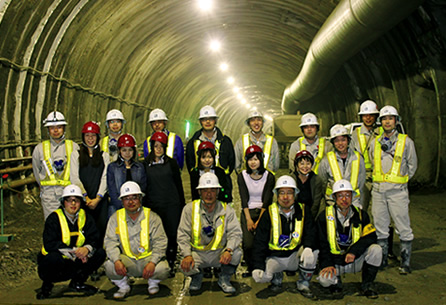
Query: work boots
(276, 282)
(368, 277)
(124, 288)
(45, 291)
(303, 284)
(385, 247)
(406, 251)
(196, 281)
(224, 278)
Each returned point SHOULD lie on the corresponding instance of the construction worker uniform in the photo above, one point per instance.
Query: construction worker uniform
(110, 146)
(206, 248)
(352, 169)
(175, 147)
(55, 166)
(319, 148)
(268, 145)
(340, 235)
(136, 243)
(390, 195)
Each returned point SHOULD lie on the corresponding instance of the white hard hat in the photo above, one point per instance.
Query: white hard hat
(130, 188)
(208, 181)
(208, 112)
(157, 115)
(308, 119)
(286, 181)
(254, 114)
(114, 114)
(71, 190)
(368, 107)
(342, 185)
(338, 130)
(389, 110)
(55, 118)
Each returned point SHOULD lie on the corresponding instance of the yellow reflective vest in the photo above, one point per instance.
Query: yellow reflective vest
(104, 144)
(144, 237)
(66, 233)
(196, 229)
(217, 145)
(393, 176)
(266, 149)
(51, 177)
(320, 154)
(276, 229)
(170, 144)
(363, 146)
(336, 171)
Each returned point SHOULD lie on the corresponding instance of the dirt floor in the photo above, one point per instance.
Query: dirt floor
(426, 285)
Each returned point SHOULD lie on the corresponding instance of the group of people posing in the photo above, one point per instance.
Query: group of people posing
(101, 202)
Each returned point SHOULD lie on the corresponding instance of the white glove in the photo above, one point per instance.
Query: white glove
(307, 258)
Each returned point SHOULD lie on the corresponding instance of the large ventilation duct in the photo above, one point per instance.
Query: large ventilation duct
(351, 26)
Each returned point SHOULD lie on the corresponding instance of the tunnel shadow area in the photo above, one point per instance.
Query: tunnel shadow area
(350, 289)
(422, 260)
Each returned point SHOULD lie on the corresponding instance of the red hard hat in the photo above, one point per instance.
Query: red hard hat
(126, 140)
(253, 149)
(206, 145)
(160, 137)
(92, 127)
(303, 154)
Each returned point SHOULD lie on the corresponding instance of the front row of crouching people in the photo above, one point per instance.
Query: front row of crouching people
(287, 238)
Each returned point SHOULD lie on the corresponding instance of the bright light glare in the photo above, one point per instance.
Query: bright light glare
(235, 89)
(247, 106)
(215, 45)
(224, 66)
(268, 117)
(254, 108)
(240, 96)
(243, 101)
(205, 5)
(230, 80)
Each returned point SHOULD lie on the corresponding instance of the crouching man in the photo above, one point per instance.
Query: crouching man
(209, 235)
(135, 243)
(70, 246)
(284, 240)
(347, 243)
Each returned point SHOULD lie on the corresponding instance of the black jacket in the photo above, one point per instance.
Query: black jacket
(326, 258)
(263, 234)
(225, 194)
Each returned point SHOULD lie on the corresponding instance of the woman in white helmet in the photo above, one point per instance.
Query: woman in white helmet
(115, 123)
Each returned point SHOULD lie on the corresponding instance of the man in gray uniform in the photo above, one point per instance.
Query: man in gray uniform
(135, 243)
(394, 162)
(256, 137)
(55, 163)
(209, 235)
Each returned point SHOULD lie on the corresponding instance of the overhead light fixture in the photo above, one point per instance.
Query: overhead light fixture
(205, 5)
(240, 96)
(268, 117)
(215, 45)
(230, 80)
(224, 66)
(235, 89)
(247, 106)
(243, 101)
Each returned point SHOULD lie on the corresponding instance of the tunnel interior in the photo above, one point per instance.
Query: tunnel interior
(85, 57)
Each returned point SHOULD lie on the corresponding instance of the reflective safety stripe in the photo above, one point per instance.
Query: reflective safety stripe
(332, 234)
(51, 177)
(320, 153)
(66, 233)
(276, 229)
(217, 155)
(144, 238)
(196, 229)
(363, 146)
(336, 171)
(170, 144)
(393, 176)
(104, 144)
(267, 147)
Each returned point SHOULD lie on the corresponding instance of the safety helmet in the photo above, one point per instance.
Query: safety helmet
(54, 118)
(338, 130)
(308, 119)
(72, 190)
(208, 112)
(159, 136)
(253, 149)
(208, 181)
(368, 107)
(157, 115)
(254, 114)
(130, 188)
(205, 145)
(342, 185)
(303, 154)
(114, 114)
(92, 127)
(389, 110)
(286, 181)
(126, 140)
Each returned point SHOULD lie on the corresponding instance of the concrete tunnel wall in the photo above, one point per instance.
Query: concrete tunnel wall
(86, 57)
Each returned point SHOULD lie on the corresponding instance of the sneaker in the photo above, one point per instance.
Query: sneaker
(82, 287)
(225, 284)
(45, 291)
(122, 293)
(154, 289)
(404, 270)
